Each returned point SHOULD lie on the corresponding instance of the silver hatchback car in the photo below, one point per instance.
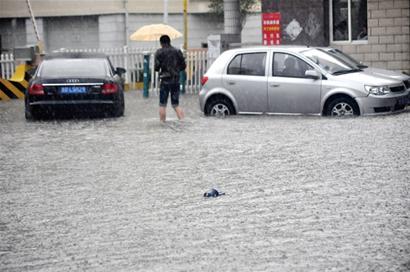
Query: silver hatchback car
(296, 80)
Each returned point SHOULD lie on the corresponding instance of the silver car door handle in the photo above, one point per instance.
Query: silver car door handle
(231, 83)
(274, 85)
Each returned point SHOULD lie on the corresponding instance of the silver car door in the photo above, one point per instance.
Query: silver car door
(246, 80)
(289, 89)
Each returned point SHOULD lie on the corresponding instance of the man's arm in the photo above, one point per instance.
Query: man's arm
(182, 64)
(157, 62)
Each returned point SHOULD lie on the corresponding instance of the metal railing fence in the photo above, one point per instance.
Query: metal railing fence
(132, 59)
(7, 66)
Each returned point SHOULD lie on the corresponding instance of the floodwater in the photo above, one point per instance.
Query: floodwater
(303, 193)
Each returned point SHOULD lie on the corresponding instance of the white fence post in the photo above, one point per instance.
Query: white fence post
(196, 68)
(7, 66)
(126, 57)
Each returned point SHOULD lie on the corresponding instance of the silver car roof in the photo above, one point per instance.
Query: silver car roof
(288, 48)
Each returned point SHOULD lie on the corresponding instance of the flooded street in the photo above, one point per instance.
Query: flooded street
(303, 193)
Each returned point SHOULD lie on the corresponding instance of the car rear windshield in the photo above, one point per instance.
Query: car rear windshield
(73, 68)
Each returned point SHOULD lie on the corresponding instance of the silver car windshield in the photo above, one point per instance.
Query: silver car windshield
(346, 58)
(329, 63)
(55, 68)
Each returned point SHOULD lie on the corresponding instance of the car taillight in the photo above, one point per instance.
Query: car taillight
(109, 88)
(36, 89)
(204, 79)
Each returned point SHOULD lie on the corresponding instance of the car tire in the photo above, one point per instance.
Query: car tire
(342, 107)
(30, 114)
(118, 108)
(219, 107)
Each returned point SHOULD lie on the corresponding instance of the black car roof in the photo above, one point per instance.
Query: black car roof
(75, 55)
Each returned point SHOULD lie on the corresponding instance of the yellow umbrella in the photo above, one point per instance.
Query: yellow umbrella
(154, 32)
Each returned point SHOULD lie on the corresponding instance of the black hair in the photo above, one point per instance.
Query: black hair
(164, 39)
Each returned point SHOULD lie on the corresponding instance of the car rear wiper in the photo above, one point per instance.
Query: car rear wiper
(342, 72)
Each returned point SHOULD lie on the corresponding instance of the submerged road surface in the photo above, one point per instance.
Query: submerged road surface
(303, 193)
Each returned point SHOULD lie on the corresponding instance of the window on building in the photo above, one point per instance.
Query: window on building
(252, 64)
(349, 20)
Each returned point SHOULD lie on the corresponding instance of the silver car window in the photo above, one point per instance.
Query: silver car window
(286, 65)
(252, 64)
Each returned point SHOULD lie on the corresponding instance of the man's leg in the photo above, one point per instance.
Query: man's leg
(163, 97)
(179, 112)
(175, 101)
(162, 113)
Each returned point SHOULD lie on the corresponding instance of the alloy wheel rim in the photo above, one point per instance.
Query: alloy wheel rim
(220, 110)
(342, 109)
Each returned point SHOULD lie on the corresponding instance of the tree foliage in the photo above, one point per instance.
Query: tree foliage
(217, 7)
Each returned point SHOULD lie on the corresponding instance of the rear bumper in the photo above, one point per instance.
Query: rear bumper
(372, 105)
(71, 102)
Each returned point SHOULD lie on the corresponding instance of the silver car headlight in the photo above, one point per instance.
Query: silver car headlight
(377, 90)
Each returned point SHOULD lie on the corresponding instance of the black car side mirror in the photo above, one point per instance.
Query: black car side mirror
(120, 70)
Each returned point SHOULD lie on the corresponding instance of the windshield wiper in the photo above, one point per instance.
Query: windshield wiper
(342, 72)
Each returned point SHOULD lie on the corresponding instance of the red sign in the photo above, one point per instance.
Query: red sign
(271, 28)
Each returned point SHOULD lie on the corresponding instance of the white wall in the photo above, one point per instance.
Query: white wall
(71, 32)
(30, 33)
(111, 31)
(12, 34)
(108, 31)
(252, 30)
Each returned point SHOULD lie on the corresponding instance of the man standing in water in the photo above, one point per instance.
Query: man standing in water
(169, 61)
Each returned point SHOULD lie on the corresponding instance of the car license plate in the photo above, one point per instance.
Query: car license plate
(73, 90)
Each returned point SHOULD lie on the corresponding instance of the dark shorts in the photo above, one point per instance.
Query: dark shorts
(166, 89)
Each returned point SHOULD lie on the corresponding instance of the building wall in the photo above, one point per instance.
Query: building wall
(12, 33)
(71, 32)
(302, 22)
(388, 43)
(252, 30)
(31, 37)
(108, 31)
(111, 31)
(50, 8)
(67, 23)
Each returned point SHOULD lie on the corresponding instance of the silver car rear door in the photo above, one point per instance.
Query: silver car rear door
(246, 80)
(289, 90)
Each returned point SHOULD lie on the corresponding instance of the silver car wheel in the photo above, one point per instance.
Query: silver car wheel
(342, 109)
(220, 110)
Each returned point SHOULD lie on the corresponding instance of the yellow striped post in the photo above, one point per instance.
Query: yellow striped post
(15, 87)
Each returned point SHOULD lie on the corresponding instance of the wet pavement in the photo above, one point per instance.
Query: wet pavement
(303, 193)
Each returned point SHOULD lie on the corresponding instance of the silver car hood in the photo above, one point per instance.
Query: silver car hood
(385, 73)
(368, 79)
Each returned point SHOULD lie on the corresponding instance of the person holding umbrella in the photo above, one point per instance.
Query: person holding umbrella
(169, 62)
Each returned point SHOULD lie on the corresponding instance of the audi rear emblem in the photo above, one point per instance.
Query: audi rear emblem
(73, 81)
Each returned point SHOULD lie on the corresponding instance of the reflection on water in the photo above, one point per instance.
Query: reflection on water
(302, 193)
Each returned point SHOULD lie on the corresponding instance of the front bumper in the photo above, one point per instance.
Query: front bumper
(372, 105)
(201, 97)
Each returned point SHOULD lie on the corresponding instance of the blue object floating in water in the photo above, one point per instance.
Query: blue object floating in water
(213, 193)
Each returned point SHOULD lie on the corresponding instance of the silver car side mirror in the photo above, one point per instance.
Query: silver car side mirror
(313, 74)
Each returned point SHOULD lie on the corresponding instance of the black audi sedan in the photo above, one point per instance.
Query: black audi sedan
(78, 82)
